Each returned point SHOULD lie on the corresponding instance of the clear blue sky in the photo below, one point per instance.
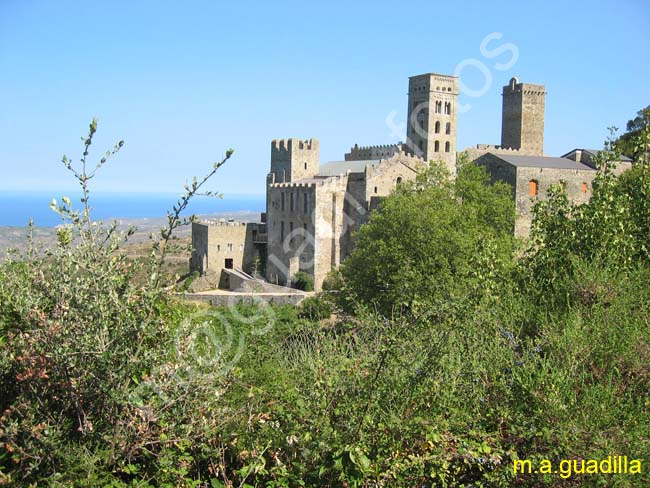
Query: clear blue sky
(181, 82)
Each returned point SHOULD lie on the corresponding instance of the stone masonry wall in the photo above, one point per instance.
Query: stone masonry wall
(213, 243)
(573, 179)
(290, 227)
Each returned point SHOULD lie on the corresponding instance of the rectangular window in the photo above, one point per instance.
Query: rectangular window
(229, 247)
(282, 201)
(305, 202)
(218, 247)
(282, 230)
(291, 201)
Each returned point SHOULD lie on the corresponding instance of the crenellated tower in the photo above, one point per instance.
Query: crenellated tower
(522, 124)
(293, 159)
(432, 118)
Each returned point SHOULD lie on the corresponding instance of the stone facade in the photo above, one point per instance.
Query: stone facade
(530, 178)
(311, 221)
(226, 244)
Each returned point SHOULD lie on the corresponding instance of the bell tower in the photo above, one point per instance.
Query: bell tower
(433, 117)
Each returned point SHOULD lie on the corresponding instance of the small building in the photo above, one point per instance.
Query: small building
(219, 244)
(531, 177)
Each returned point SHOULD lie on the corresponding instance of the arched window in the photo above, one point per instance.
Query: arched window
(305, 165)
(399, 180)
(447, 146)
(438, 127)
(447, 108)
(584, 187)
(533, 188)
(375, 189)
(436, 146)
(448, 128)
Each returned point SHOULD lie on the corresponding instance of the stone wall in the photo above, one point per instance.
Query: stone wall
(290, 230)
(578, 185)
(215, 242)
(330, 226)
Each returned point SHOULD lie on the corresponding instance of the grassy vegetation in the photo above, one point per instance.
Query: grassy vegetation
(478, 352)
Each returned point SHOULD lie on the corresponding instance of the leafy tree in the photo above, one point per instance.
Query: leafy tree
(611, 230)
(433, 243)
(628, 143)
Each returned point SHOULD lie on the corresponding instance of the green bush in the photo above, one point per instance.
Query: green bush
(315, 308)
(302, 281)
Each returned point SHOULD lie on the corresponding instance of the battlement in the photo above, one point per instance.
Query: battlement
(492, 147)
(293, 159)
(525, 88)
(362, 153)
(294, 184)
(226, 223)
(474, 153)
(288, 146)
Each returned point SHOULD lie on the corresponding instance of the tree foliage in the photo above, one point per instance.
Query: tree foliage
(427, 246)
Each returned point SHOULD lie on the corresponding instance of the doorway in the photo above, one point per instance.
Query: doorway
(229, 264)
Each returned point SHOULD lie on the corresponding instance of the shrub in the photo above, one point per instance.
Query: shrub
(302, 281)
(91, 358)
(315, 308)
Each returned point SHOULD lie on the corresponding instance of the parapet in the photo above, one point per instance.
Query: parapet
(474, 153)
(363, 153)
(284, 148)
(526, 88)
(226, 223)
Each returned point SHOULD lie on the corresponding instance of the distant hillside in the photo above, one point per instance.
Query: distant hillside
(45, 237)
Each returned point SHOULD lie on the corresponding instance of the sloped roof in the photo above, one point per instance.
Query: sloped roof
(334, 168)
(594, 152)
(542, 162)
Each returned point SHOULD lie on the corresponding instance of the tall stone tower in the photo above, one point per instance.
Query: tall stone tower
(432, 118)
(522, 124)
(293, 159)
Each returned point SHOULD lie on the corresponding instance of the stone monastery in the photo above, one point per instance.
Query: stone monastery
(312, 209)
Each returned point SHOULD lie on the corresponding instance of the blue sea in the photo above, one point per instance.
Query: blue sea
(16, 208)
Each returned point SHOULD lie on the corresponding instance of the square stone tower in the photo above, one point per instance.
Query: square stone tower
(293, 159)
(522, 124)
(432, 118)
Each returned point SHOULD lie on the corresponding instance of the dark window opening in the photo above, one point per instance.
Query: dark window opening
(229, 263)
